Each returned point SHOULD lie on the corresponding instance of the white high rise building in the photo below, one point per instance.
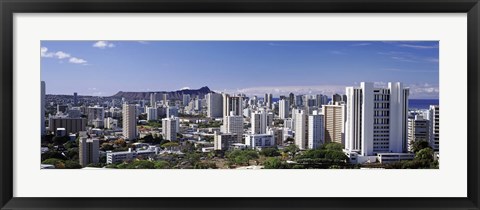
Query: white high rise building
(170, 128)
(172, 111)
(284, 109)
(42, 108)
(152, 113)
(233, 124)
(300, 129)
(258, 120)
(376, 119)
(316, 135)
(232, 104)
(434, 117)
(214, 105)
(129, 121)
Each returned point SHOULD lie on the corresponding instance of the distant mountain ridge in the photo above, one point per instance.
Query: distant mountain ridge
(175, 95)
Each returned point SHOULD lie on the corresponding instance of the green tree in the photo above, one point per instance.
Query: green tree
(274, 163)
(58, 163)
(292, 150)
(270, 152)
(425, 154)
(333, 146)
(70, 164)
(419, 145)
(162, 164)
(141, 164)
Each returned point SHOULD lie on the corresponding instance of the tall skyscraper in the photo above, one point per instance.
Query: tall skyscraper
(268, 100)
(334, 123)
(336, 98)
(232, 104)
(152, 113)
(165, 98)
(88, 151)
(376, 119)
(95, 113)
(301, 129)
(259, 122)
(42, 108)
(434, 117)
(284, 109)
(170, 128)
(418, 130)
(214, 105)
(129, 121)
(153, 100)
(316, 135)
(186, 99)
(75, 99)
(291, 98)
(233, 124)
(172, 111)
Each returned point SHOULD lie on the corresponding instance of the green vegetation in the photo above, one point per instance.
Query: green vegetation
(330, 155)
(154, 123)
(241, 157)
(270, 152)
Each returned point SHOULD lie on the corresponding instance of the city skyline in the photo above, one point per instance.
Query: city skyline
(249, 67)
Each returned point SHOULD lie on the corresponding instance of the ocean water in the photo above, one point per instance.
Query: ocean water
(422, 103)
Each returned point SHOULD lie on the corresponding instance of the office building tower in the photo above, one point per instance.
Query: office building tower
(268, 100)
(170, 128)
(336, 98)
(255, 141)
(316, 135)
(258, 120)
(88, 151)
(129, 121)
(418, 130)
(153, 99)
(186, 99)
(95, 113)
(198, 105)
(172, 111)
(301, 129)
(291, 99)
(75, 99)
(232, 104)
(214, 105)
(233, 124)
(152, 113)
(334, 123)
(165, 98)
(42, 108)
(224, 141)
(299, 100)
(284, 109)
(434, 117)
(376, 119)
(321, 100)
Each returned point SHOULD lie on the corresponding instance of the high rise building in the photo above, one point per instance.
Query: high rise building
(42, 108)
(172, 111)
(75, 99)
(316, 135)
(153, 100)
(258, 120)
(88, 151)
(233, 124)
(434, 117)
(71, 125)
(198, 104)
(284, 109)
(152, 113)
(129, 121)
(418, 130)
(165, 98)
(186, 99)
(291, 99)
(336, 98)
(170, 128)
(299, 100)
(232, 104)
(321, 100)
(268, 100)
(301, 129)
(224, 141)
(95, 113)
(214, 105)
(376, 119)
(334, 123)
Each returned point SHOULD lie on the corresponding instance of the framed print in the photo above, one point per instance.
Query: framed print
(240, 105)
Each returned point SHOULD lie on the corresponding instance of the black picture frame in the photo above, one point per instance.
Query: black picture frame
(10, 7)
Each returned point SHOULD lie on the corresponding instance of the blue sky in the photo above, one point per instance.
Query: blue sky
(252, 67)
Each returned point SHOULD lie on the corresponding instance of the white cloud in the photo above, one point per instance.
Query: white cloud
(60, 55)
(143, 42)
(77, 60)
(103, 44)
(423, 90)
(419, 46)
(185, 88)
(360, 44)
